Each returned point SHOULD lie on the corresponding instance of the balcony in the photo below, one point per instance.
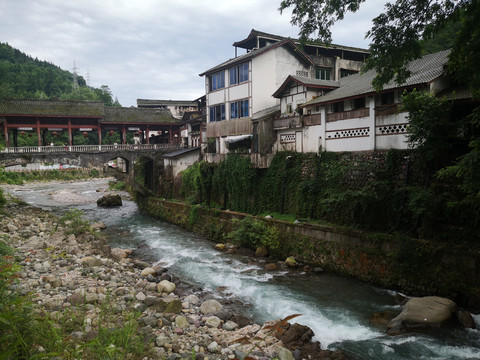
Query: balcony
(310, 120)
(287, 122)
(352, 114)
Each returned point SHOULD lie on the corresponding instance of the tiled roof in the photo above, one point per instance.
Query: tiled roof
(423, 71)
(133, 115)
(308, 82)
(152, 102)
(255, 33)
(70, 108)
(180, 152)
(265, 112)
(242, 58)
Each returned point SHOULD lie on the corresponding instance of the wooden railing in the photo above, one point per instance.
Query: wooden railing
(287, 122)
(352, 114)
(310, 120)
(89, 148)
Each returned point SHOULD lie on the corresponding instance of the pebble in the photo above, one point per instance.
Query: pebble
(78, 272)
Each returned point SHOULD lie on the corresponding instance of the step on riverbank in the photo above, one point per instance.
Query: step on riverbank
(71, 273)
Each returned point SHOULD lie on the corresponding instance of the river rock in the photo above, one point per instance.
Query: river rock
(271, 267)
(213, 322)
(181, 322)
(90, 261)
(119, 254)
(429, 311)
(284, 354)
(230, 326)
(220, 247)
(291, 262)
(99, 226)
(295, 336)
(261, 251)
(166, 287)
(210, 307)
(466, 319)
(148, 271)
(110, 200)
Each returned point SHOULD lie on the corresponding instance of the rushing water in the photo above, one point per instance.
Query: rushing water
(337, 309)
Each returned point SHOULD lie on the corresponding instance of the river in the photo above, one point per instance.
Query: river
(337, 309)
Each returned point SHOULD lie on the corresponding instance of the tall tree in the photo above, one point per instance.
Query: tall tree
(397, 32)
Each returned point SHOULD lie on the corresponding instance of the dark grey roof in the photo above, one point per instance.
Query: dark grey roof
(423, 71)
(255, 33)
(180, 152)
(265, 112)
(245, 57)
(62, 108)
(139, 115)
(308, 82)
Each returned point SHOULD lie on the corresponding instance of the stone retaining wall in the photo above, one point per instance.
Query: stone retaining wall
(414, 266)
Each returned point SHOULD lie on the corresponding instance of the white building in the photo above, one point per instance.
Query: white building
(354, 117)
(241, 87)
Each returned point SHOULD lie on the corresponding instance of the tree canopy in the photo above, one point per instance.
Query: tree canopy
(396, 34)
(22, 77)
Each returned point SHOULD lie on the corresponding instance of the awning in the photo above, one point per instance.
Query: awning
(235, 139)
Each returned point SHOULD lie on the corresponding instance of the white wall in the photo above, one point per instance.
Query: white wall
(269, 71)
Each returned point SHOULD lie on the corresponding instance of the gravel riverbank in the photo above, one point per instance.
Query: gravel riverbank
(69, 272)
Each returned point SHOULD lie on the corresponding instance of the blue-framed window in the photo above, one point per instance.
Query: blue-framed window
(239, 109)
(217, 113)
(239, 74)
(216, 81)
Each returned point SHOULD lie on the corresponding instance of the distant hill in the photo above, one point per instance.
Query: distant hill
(23, 77)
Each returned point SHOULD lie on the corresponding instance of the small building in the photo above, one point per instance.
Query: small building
(177, 107)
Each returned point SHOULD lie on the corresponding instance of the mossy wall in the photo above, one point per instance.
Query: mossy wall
(414, 266)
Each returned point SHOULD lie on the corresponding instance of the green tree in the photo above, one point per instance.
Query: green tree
(396, 33)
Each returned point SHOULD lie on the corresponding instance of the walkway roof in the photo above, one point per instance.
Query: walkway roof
(52, 108)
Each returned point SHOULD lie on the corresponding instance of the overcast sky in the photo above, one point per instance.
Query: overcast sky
(152, 49)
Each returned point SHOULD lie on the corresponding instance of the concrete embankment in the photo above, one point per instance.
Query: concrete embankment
(414, 266)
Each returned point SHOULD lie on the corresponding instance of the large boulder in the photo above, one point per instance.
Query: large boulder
(110, 200)
(429, 311)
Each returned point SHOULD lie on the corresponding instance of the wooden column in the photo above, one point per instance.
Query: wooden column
(170, 135)
(124, 135)
(5, 128)
(39, 138)
(99, 131)
(148, 135)
(70, 135)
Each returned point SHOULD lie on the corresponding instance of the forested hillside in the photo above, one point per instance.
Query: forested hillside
(22, 77)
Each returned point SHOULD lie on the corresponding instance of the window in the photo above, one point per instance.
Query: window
(239, 74)
(217, 113)
(289, 109)
(336, 107)
(323, 74)
(357, 103)
(345, 72)
(387, 98)
(239, 109)
(217, 81)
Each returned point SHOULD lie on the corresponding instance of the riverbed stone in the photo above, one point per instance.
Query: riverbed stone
(429, 311)
(211, 306)
(291, 262)
(166, 287)
(213, 322)
(90, 261)
(261, 251)
(110, 200)
(271, 267)
(148, 271)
